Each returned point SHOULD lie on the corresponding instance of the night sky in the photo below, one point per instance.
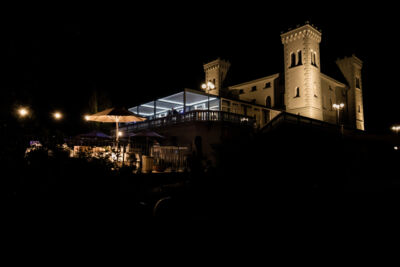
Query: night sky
(129, 56)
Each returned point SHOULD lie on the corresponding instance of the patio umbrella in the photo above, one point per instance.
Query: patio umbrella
(116, 115)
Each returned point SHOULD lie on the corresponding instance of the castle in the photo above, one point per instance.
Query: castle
(217, 113)
(301, 89)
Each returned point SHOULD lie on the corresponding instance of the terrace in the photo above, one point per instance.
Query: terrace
(186, 106)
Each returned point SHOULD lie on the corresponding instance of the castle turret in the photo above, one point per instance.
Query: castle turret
(302, 71)
(215, 72)
(351, 69)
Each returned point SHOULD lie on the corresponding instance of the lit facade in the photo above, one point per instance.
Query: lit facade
(301, 89)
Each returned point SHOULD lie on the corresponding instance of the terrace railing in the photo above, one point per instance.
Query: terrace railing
(295, 119)
(191, 116)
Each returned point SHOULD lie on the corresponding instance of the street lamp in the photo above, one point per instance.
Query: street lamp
(208, 86)
(396, 128)
(338, 107)
(23, 112)
(57, 115)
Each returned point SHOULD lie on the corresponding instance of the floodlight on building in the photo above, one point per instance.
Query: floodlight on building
(86, 117)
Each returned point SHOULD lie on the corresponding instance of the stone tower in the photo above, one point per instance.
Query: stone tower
(215, 72)
(351, 69)
(302, 71)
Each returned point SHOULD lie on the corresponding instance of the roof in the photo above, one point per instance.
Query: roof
(333, 80)
(274, 76)
(174, 101)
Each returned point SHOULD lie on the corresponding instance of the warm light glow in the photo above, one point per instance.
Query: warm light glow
(396, 148)
(208, 86)
(338, 106)
(57, 115)
(23, 112)
(119, 133)
(87, 117)
(396, 128)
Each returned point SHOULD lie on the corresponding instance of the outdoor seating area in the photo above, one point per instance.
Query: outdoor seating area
(141, 151)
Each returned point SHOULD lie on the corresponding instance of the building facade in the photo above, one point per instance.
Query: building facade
(304, 91)
(217, 113)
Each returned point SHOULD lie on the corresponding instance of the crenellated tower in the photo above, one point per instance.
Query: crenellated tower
(215, 72)
(351, 69)
(302, 71)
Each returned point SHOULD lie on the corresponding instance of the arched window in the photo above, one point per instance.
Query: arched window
(297, 92)
(299, 58)
(268, 102)
(314, 59)
(292, 60)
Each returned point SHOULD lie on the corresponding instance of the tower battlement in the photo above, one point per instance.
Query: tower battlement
(215, 72)
(302, 71)
(304, 31)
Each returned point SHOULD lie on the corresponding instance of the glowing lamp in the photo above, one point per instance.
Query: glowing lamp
(23, 112)
(57, 115)
(211, 85)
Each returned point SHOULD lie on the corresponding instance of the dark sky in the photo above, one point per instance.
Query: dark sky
(137, 54)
